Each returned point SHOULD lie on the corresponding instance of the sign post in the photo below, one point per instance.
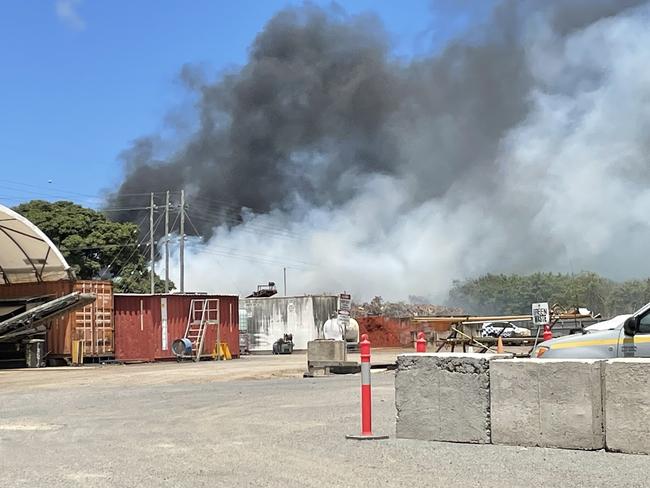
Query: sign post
(541, 314)
(343, 317)
(542, 318)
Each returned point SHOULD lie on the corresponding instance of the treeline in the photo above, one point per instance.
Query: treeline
(514, 294)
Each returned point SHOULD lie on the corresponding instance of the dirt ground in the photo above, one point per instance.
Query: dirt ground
(212, 425)
(247, 367)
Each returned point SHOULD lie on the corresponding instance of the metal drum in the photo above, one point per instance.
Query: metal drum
(182, 347)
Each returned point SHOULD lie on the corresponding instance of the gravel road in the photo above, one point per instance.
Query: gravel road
(286, 432)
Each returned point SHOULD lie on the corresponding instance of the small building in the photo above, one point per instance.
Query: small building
(268, 319)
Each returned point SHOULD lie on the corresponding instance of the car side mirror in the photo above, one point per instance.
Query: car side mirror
(630, 326)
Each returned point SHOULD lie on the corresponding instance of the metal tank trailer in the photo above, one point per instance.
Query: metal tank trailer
(328, 353)
(349, 332)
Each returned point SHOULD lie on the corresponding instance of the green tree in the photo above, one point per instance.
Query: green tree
(94, 246)
(514, 294)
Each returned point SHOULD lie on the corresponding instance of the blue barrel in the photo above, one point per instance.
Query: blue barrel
(182, 347)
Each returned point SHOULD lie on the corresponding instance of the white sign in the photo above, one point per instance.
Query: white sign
(344, 319)
(163, 315)
(345, 302)
(541, 313)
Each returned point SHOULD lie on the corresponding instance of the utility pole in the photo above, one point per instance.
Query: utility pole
(181, 251)
(167, 242)
(151, 245)
(285, 281)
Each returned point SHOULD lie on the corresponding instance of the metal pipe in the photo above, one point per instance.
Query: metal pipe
(167, 242)
(152, 253)
(181, 250)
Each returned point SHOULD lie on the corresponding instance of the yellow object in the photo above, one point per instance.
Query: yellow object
(500, 349)
(221, 351)
(77, 352)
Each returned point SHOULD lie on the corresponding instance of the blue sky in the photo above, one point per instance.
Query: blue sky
(81, 79)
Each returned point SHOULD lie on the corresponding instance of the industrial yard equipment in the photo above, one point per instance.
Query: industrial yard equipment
(221, 351)
(284, 345)
(461, 329)
(203, 312)
(24, 322)
(264, 291)
(33, 321)
(182, 347)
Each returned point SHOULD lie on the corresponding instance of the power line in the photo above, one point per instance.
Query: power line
(234, 217)
(92, 248)
(217, 261)
(60, 190)
(213, 207)
(120, 252)
(235, 253)
(259, 259)
(252, 228)
(128, 260)
(126, 209)
(225, 203)
(49, 192)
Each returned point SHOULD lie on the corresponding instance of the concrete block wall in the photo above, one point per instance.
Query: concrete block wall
(483, 398)
(627, 405)
(547, 403)
(443, 397)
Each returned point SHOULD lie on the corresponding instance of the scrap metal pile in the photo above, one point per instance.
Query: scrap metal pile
(377, 307)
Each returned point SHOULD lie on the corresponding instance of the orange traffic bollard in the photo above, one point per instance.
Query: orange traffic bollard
(366, 397)
(421, 343)
(548, 334)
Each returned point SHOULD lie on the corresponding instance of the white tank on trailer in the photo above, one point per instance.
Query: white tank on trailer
(332, 330)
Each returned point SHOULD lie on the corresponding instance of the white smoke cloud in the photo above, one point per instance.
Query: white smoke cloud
(68, 13)
(570, 192)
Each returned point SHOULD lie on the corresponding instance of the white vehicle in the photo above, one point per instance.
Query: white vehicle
(503, 329)
(623, 336)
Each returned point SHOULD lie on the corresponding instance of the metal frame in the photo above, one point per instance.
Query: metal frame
(207, 309)
(33, 232)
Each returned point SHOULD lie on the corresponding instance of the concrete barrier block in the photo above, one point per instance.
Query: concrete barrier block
(547, 403)
(627, 405)
(443, 397)
(325, 350)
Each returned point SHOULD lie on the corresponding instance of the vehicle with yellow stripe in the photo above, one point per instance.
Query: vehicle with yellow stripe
(629, 336)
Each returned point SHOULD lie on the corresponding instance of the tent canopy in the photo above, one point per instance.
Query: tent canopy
(26, 254)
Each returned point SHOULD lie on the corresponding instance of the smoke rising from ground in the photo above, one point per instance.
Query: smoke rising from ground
(522, 148)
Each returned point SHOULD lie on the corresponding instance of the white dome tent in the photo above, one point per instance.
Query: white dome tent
(26, 253)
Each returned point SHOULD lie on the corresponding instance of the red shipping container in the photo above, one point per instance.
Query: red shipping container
(142, 334)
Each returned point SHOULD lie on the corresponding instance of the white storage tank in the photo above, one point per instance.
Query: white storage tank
(332, 330)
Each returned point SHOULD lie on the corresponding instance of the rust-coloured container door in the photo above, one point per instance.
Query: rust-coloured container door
(134, 331)
(94, 323)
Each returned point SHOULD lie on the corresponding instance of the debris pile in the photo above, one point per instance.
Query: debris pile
(377, 307)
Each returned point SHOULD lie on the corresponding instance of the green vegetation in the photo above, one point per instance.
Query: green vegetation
(514, 294)
(94, 246)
